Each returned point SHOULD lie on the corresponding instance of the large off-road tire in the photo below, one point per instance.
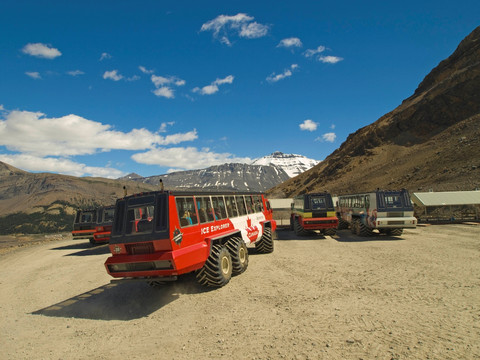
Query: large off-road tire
(299, 230)
(265, 244)
(342, 224)
(330, 232)
(217, 270)
(239, 253)
(394, 232)
(364, 230)
(354, 227)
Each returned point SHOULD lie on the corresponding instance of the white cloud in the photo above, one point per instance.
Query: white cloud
(75, 72)
(253, 30)
(112, 75)
(242, 25)
(162, 84)
(286, 73)
(187, 158)
(72, 135)
(33, 74)
(329, 137)
(213, 87)
(41, 50)
(163, 126)
(105, 56)
(329, 59)
(133, 78)
(309, 125)
(59, 165)
(1, 107)
(312, 52)
(145, 70)
(290, 42)
(165, 92)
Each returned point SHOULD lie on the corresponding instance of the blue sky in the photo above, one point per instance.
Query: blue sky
(105, 88)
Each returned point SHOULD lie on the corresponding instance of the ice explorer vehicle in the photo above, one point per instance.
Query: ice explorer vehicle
(313, 212)
(386, 211)
(160, 235)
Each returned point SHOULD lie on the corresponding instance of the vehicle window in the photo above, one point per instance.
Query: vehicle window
(318, 203)
(219, 207)
(205, 209)
(231, 206)
(249, 203)
(140, 215)
(108, 215)
(241, 205)
(86, 217)
(258, 203)
(393, 201)
(186, 211)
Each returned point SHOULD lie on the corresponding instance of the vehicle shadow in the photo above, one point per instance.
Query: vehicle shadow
(347, 236)
(88, 249)
(288, 235)
(121, 301)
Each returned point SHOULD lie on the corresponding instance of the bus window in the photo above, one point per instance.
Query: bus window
(231, 206)
(186, 211)
(249, 202)
(258, 203)
(219, 207)
(241, 205)
(205, 209)
(140, 215)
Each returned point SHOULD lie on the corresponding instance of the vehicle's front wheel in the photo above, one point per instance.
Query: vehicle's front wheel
(218, 268)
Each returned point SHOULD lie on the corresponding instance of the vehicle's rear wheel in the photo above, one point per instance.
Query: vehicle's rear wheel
(265, 244)
(342, 224)
(364, 230)
(217, 270)
(299, 230)
(330, 232)
(395, 232)
(239, 253)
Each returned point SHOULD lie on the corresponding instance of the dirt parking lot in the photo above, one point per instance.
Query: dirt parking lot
(416, 297)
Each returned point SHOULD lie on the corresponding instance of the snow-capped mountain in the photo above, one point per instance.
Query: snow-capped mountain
(292, 164)
(234, 177)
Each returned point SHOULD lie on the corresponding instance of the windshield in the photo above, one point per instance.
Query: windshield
(140, 215)
(318, 203)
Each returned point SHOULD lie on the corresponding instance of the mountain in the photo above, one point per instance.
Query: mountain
(238, 177)
(430, 141)
(31, 202)
(293, 164)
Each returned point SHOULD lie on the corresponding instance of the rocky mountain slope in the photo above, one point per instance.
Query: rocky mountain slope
(293, 164)
(239, 177)
(430, 141)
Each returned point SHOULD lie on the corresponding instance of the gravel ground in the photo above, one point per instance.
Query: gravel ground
(413, 296)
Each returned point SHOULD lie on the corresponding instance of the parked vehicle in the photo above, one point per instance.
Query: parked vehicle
(84, 224)
(313, 212)
(160, 235)
(103, 227)
(387, 211)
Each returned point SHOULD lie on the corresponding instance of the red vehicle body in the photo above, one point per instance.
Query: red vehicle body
(103, 228)
(159, 235)
(84, 224)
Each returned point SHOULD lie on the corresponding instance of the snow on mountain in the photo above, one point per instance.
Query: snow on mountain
(292, 164)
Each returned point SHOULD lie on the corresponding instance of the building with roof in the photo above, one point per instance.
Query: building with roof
(447, 206)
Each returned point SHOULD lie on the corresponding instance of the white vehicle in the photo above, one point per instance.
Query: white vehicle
(387, 211)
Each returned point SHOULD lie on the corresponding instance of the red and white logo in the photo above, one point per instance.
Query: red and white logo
(252, 231)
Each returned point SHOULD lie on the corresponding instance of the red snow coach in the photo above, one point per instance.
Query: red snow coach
(159, 235)
(104, 224)
(84, 224)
